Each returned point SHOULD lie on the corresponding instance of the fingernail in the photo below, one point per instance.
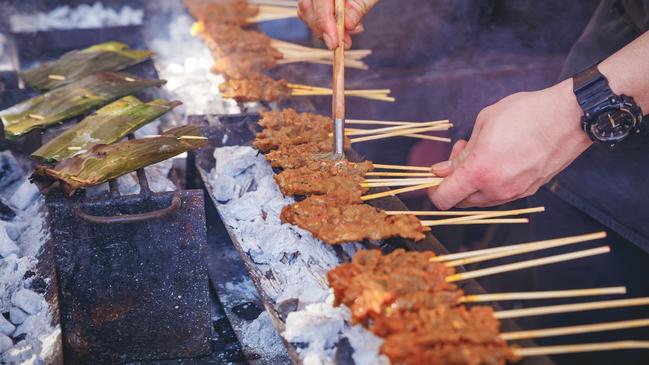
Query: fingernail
(445, 165)
(353, 16)
(328, 41)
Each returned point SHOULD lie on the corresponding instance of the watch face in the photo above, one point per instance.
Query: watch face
(612, 126)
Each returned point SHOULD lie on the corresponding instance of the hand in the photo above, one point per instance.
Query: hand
(517, 145)
(319, 16)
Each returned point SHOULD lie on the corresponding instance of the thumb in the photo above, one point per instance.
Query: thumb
(458, 154)
(356, 10)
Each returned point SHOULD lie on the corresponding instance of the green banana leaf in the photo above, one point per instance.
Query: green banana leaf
(105, 162)
(108, 125)
(75, 65)
(70, 101)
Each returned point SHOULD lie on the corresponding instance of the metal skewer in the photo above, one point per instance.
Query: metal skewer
(339, 82)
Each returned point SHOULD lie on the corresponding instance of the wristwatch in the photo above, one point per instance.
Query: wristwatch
(608, 118)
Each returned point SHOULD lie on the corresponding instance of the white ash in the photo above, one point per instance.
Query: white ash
(7, 245)
(5, 343)
(6, 327)
(157, 176)
(29, 312)
(291, 263)
(184, 61)
(260, 336)
(82, 17)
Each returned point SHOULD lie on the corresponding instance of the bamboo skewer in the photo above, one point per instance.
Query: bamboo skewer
(285, 3)
(338, 85)
(397, 133)
(490, 221)
(568, 308)
(573, 330)
(560, 241)
(485, 216)
(516, 251)
(443, 124)
(587, 347)
(399, 191)
(306, 90)
(551, 294)
(379, 122)
(527, 264)
(401, 167)
(401, 182)
(400, 174)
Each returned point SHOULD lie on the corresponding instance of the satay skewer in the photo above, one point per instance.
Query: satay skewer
(570, 308)
(400, 191)
(442, 124)
(586, 347)
(494, 214)
(490, 221)
(536, 295)
(574, 330)
(527, 264)
(544, 243)
(398, 133)
(401, 167)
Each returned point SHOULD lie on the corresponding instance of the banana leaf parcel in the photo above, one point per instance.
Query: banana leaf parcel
(106, 162)
(70, 101)
(108, 125)
(75, 65)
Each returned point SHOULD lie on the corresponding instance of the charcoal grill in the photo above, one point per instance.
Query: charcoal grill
(132, 274)
(231, 130)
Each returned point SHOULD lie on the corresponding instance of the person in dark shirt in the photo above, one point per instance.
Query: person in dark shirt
(535, 145)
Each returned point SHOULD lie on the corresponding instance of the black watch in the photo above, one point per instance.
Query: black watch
(608, 118)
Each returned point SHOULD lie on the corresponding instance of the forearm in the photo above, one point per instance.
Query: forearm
(627, 71)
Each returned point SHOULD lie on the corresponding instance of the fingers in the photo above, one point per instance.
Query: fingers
(319, 17)
(454, 189)
(457, 156)
(356, 10)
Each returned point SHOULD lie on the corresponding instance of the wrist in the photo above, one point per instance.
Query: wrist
(568, 112)
(626, 83)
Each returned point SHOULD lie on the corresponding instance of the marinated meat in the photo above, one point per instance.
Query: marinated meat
(289, 117)
(244, 65)
(296, 156)
(222, 11)
(335, 220)
(323, 177)
(295, 134)
(259, 88)
(372, 283)
(447, 335)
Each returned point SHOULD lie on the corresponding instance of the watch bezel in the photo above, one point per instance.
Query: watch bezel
(616, 104)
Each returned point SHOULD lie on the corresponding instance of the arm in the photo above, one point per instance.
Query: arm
(319, 16)
(524, 140)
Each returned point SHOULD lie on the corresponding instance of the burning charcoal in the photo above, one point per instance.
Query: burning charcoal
(38, 285)
(7, 245)
(6, 327)
(17, 315)
(24, 196)
(19, 338)
(11, 230)
(5, 343)
(10, 172)
(232, 161)
(27, 300)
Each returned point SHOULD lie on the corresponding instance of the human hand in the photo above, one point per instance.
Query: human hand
(517, 145)
(319, 16)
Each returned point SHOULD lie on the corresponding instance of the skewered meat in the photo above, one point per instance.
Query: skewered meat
(289, 117)
(372, 282)
(323, 177)
(244, 65)
(295, 134)
(259, 88)
(295, 156)
(224, 11)
(448, 335)
(339, 218)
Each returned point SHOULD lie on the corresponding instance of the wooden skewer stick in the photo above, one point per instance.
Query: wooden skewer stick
(515, 251)
(401, 174)
(486, 215)
(405, 182)
(443, 124)
(434, 213)
(338, 87)
(396, 133)
(401, 167)
(586, 347)
(573, 330)
(527, 264)
(487, 251)
(399, 191)
(56, 77)
(490, 221)
(535, 295)
(380, 122)
(286, 3)
(569, 308)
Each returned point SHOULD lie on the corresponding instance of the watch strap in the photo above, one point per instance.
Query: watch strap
(591, 89)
